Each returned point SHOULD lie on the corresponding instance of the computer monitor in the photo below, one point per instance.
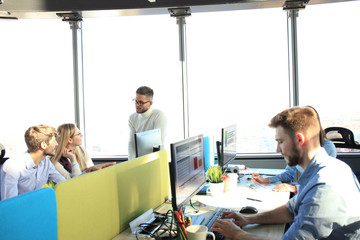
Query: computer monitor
(147, 142)
(227, 147)
(187, 170)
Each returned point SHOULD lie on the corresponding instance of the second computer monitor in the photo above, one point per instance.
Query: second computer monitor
(147, 142)
(187, 170)
(228, 146)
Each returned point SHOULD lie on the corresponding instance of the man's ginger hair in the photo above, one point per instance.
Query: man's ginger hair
(298, 119)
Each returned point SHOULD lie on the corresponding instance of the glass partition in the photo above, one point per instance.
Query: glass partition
(36, 78)
(120, 55)
(329, 62)
(238, 74)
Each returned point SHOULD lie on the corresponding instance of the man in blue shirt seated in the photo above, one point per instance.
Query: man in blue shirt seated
(289, 174)
(326, 206)
(33, 169)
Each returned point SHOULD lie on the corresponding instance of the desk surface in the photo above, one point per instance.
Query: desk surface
(235, 199)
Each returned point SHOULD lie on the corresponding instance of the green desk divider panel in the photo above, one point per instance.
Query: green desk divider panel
(31, 215)
(100, 205)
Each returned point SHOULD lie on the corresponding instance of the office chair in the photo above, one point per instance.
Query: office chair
(2, 154)
(341, 137)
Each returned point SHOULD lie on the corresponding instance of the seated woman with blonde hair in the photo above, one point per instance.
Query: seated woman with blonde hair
(71, 159)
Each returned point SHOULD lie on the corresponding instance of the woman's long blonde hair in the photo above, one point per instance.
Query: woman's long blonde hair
(65, 132)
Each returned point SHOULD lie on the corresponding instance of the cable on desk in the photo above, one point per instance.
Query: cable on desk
(169, 228)
(195, 209)
(163, 227)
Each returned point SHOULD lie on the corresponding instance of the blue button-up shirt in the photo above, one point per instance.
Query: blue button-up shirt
(328, 199)
(286, 176)
(20, 175)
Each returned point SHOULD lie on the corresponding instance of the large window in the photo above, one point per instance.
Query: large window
(237, 65)
(329, 63)
(120, 55)
(36, 78)
(237, 73)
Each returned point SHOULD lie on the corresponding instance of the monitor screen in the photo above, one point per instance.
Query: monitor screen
(147, 142)
(187, 170)
(228, 145)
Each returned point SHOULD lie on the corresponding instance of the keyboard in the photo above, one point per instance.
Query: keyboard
(197, 219)
(209, 222)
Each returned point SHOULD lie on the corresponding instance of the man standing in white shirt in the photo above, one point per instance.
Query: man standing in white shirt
(145, 118)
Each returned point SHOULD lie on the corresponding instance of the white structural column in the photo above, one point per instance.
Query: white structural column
(292, 8)
(293, 57)
(75, 21)
(180, 14)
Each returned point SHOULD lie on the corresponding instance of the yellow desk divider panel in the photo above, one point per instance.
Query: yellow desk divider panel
(100, 205)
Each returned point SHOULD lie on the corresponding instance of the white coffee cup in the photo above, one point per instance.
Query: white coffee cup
(198, 232)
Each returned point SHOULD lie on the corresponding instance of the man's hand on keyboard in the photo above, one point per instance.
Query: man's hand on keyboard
(235, 217)
(229, 229)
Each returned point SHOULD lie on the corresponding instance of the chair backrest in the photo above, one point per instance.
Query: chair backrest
(2, 154)
(30, 215)
(341, 137)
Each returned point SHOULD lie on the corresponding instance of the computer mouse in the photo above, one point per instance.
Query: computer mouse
(249, 209)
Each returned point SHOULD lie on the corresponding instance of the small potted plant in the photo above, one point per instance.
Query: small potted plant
(214, 174)
(216, 178)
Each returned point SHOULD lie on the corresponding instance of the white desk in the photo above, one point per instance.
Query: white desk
(239, 198)
(235, 199)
